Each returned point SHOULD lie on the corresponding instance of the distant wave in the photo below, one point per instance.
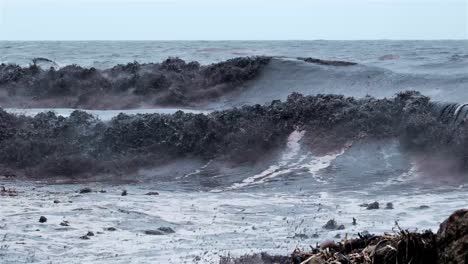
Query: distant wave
(235, 82)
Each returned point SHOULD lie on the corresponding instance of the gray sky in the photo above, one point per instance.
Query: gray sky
(232, 19)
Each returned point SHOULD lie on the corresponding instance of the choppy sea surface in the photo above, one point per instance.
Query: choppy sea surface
(273, 206)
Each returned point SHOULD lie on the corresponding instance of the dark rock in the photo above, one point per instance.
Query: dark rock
(124, 193)
(42, 219)
(152, 193)
(56, 201)
(262, 258)
(331, 225)
(389, 206)
(423, 207)
(84, 237)
(166, 230)
(452, 238)
(373, 206)
(328, 62)
(90, 234)
(301, 236)
(341, 227)
(354, 221)
(155, 232)
(86, 190)
(65, 223)
(338, 236)
(111, 229)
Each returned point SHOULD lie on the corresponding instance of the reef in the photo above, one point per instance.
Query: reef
(448, 246)
(80, 145)
(172, 82)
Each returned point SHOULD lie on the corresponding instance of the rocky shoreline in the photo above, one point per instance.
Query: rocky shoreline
(448, 246)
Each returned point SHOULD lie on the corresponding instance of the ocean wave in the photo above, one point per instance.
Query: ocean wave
(235, 82)
(81, 146)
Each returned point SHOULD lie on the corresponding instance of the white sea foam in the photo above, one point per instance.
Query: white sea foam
(215, 223)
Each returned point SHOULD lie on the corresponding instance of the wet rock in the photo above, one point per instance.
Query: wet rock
(331, 225)
(160, 231)
(315, 235)
(341, 227)
(166, 230)
(262, 258)
(111, 229)
(154, 232)
(65, 223)
(337, 236)
(389, 206)
(423, 207)
(124, 193)
(85, 190)
(103, 191)
(328, 62)
(42, 219)
(354, 221)
(152, 193)
(56, 201)
(90, 234)
(373, 206)
(301, 236)
(7, 192)
(84, 237)
(452, 238)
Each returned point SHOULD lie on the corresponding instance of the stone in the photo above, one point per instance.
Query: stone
(373, 206)
(42, 219)
(86, 190)
(452, 239)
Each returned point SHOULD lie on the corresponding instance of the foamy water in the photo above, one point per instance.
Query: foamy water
(207, 224)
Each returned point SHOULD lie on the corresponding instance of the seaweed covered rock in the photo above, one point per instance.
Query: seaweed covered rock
(452, 239)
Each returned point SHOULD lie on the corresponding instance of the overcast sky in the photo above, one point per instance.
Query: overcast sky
(232, 19)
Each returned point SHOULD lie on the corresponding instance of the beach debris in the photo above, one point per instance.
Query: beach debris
(402, 246)
(42, 219)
